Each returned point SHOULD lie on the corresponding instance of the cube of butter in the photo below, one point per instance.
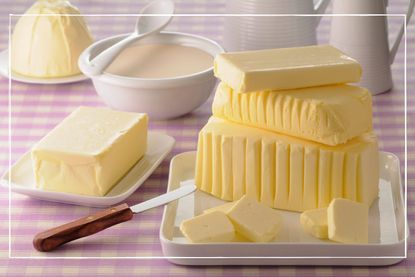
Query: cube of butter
(330, 115)
(314, 222)
(209, 227)
(254, 220)
(222, 208)
(286, 68)
(348, 221)
(89, 151)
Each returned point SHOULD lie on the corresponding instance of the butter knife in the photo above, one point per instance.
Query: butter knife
(89, 225)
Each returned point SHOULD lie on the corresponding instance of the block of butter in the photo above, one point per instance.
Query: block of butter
(348, 221)
(314, 222)
(210, 227)
(254, 220)
(89, 151)
(330, 114)
(286, 68)
(282, 171)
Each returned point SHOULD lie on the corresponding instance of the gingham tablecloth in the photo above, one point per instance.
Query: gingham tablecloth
(35, 109)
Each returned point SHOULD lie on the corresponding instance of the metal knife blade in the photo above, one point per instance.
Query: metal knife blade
(163, 199)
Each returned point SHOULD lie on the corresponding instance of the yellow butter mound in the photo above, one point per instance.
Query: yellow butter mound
(47, 40)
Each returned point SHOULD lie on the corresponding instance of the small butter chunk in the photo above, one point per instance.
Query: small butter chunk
(89, 151)
(286, 68)
(48, 40)
(347, 221)
(314, 222)
(330, 115)
(222, 208)
(254, 220)
(209, 227)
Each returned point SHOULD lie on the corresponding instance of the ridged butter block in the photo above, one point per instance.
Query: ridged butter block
(282, 171)
(329, 114)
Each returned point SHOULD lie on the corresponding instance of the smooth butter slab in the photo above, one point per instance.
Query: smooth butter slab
(89, 151)
(330, 114)
(282, 171)
(286, 68)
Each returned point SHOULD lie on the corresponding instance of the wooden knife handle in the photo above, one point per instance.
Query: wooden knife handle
(52, 238)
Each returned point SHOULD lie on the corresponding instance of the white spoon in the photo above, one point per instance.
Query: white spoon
(145, 25)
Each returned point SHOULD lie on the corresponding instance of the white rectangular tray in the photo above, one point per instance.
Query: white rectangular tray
(293, 246)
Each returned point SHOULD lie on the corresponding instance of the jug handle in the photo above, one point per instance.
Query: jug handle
(320, 8)
(395, 46)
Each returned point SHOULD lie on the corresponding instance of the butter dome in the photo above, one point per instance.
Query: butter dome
(48, 40)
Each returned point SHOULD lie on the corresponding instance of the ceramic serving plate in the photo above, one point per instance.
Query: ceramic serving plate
(4, 71)
(293, 246)
(22, 178)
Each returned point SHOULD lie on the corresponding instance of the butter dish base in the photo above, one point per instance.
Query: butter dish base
(387, 233)
(4, 71)
(22, 177)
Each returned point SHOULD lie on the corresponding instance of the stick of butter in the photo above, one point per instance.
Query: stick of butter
(282, 171)
(209, 227)
(286, 68)
(348, 221)
(330, 114)
(314, 222)
(89, 151)
(254, 220)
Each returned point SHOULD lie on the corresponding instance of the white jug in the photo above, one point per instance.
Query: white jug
(262, 32)
(365, 38)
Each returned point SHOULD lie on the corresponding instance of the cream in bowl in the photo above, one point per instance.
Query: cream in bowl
(165, 75)
(154, 61)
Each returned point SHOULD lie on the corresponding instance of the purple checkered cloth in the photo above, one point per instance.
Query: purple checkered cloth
(36, 109)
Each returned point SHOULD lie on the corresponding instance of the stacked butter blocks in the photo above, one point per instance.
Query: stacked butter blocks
(288, 131)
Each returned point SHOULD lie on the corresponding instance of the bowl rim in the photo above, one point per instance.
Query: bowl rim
(108, 77)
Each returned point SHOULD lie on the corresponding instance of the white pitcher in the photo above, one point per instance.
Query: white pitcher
(365, 38)
(259, 32)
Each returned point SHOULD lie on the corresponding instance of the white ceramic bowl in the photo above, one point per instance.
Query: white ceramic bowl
(162, 98)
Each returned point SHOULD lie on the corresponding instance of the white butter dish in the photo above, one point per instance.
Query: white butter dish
(22, 177)
(293, 246)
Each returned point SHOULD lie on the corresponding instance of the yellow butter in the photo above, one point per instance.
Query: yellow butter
(240, 238)
(314, 222)
(330, 114)
(222, 208)
(49, 45)
(286, 68)
(348, 221)
(89, 151)
(209, 227)
(282, 171)
(254, 220)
